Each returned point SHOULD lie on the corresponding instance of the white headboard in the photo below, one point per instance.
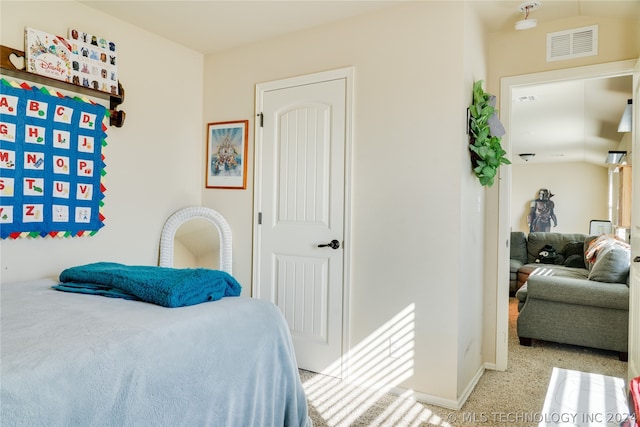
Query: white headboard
(179, 217)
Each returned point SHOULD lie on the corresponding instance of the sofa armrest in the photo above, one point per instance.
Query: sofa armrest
(518, 246)
(570, 290)
(514, 265)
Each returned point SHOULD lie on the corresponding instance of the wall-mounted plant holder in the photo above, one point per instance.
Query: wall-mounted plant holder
(485, 132)
(12, 64)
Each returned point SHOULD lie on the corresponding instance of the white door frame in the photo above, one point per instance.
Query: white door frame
(634, 284)
(611, 69)
(347, 74)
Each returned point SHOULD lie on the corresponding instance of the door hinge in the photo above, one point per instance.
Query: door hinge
(261, 117)
(259, 218)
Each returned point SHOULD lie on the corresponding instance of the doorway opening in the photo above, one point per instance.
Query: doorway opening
(508, 88)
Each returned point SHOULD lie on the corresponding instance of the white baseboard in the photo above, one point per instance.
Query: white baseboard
(472, 384)
(439, 401)
(490, 367)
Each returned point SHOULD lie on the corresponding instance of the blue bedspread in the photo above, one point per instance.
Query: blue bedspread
(73, 360)
(168, 287)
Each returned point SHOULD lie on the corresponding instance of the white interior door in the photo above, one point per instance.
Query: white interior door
(634, 283)
(300, 211)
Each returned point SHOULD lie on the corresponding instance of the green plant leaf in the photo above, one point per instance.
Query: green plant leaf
(489, 171)
(487, 112)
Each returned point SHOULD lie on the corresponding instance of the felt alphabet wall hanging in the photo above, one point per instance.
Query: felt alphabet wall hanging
(51, 163)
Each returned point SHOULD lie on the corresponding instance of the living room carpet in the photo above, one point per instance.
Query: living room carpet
(510, 398)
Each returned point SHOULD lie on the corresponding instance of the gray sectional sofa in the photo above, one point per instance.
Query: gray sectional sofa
(565, 301)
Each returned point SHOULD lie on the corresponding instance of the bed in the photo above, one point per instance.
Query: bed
(70, 359)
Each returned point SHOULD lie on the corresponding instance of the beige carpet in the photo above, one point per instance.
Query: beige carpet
(510, 398)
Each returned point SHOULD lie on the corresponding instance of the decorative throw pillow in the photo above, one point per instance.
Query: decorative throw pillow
(612, 265)
(588, 241)
(573, 248)
(575, 261)
(547, 255)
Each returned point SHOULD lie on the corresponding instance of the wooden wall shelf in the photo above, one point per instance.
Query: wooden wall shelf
(8, 67)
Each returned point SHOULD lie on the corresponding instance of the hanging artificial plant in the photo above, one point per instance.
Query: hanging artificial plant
(485, 133)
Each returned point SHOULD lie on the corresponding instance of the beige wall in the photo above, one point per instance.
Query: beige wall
(581, 194)
(472, 231)
(153, 162)
(515, 53)
(411, 94)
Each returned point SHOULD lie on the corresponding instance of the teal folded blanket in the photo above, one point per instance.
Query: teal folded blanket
(168, 287)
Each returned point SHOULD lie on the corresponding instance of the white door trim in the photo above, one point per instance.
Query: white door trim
(610, 69)
(633, 369)
(347, 74)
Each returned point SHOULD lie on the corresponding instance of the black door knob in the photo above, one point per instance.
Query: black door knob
(636, 259)
(334, 244)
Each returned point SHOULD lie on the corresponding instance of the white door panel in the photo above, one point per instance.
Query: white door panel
(300, 200)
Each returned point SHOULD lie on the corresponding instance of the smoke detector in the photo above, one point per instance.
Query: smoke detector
(525, 8)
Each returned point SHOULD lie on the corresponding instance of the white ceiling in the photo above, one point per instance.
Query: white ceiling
(500, 15)
(215, 25)
(570, 121)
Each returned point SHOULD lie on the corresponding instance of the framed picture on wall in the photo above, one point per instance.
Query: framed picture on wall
(227, 154)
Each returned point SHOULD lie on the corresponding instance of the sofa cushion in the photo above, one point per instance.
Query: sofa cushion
(612, 265)
(518, 246)
(537, 240)
(555, 270)
(568, 290)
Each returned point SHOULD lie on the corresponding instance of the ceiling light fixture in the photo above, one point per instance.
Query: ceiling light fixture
(527, 7)
(625, 120)
(527, 156)
(525, 98)
(615, 157)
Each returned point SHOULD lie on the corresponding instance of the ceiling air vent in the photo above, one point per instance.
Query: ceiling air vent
(574, 43)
